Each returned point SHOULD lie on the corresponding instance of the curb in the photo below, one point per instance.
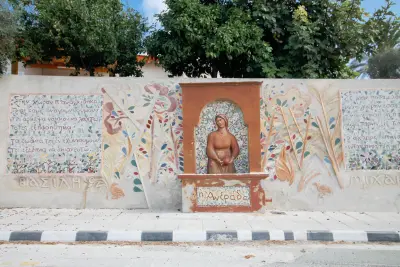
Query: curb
(200, 236)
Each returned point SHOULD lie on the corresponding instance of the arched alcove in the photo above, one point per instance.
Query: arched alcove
(236, 126)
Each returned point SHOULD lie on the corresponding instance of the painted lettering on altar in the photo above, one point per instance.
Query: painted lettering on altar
(223, 196)
(371, 129)
(55, 134)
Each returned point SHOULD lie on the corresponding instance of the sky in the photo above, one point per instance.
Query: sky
(150, 7)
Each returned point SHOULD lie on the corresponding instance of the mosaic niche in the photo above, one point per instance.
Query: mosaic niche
(55, 134)
(371, 126)
(236, 126)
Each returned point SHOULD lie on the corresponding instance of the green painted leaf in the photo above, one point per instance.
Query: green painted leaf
(137, 181)
(131, 108)
(284, 103)
(331, 120)
(137, 189)
(337, 141)
(306, 153)
(117, 174)
(298, 145)
(332, 126)
(261, 101)
(106, 146)
(278, 101)
(145, 105)
(133, 162)
(314, 124)
(143, 141)
(294, 98)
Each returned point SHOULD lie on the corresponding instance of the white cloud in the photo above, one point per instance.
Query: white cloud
(152, 7)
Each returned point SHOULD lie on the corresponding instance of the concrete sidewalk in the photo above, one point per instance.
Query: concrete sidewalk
(69, 225)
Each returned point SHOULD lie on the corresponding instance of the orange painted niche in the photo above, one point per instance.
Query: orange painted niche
(239, 192)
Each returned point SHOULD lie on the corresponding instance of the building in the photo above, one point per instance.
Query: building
(57, 68)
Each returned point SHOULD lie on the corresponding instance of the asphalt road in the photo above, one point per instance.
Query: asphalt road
(204, 255)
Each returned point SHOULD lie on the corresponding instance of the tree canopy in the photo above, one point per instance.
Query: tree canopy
(385, 65)
(241, 38)
(8, 30)
(87, 33)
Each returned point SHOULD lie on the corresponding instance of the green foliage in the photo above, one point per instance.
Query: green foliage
(240, 38)
(383, 29)
(209, 37)
(383, 34)
(89, 33)
(8, 30)
(385, 65)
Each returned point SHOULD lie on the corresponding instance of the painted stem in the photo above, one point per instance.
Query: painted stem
(295, 122)
(271, 125)
(327, 129)
(290, 137)
(329, 154)
(305, 140)
(176, 155)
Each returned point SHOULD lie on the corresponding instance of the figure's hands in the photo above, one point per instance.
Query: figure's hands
(221, 162)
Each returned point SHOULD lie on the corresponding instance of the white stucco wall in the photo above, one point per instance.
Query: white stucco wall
(363, 190)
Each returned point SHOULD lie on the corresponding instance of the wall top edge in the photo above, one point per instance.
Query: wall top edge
(236, 83)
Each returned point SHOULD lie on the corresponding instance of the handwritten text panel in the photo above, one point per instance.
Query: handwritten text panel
(55, 134)
(371, 129)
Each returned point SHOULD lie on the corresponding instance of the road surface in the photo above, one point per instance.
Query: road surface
(204, 255)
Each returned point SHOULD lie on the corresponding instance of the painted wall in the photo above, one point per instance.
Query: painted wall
(124, 150)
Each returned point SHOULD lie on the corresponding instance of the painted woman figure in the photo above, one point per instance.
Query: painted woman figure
(222, 148)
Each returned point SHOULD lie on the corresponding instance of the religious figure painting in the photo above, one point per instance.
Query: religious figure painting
(222, 148)
(232, 117)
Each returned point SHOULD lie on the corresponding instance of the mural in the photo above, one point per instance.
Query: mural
(54, 134)
(129, 138)
(370, 129)
(300, 136)
(142, 134)
(236, 127)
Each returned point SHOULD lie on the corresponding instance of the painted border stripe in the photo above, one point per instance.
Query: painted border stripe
(5, 235)
(383, 236)
(288, 235)
(260, 235)
(189, 236)
(222, 236)
(58, 236)
(91, 236)
(156, 236)
(244, 235)
(26, 236)
(134, 236)
(319, 236)
(276, 235)
(300, 235)
(355, 236)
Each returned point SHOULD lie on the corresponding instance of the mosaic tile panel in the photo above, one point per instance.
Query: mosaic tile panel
(371, 126)
(55, 134)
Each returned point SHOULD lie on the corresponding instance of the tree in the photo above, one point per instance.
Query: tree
(300, 38)
(87, 33)
(385, 65)
(383, 30)
(209, 38)
(8, 30)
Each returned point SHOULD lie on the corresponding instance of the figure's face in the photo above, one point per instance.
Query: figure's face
(220, 122)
